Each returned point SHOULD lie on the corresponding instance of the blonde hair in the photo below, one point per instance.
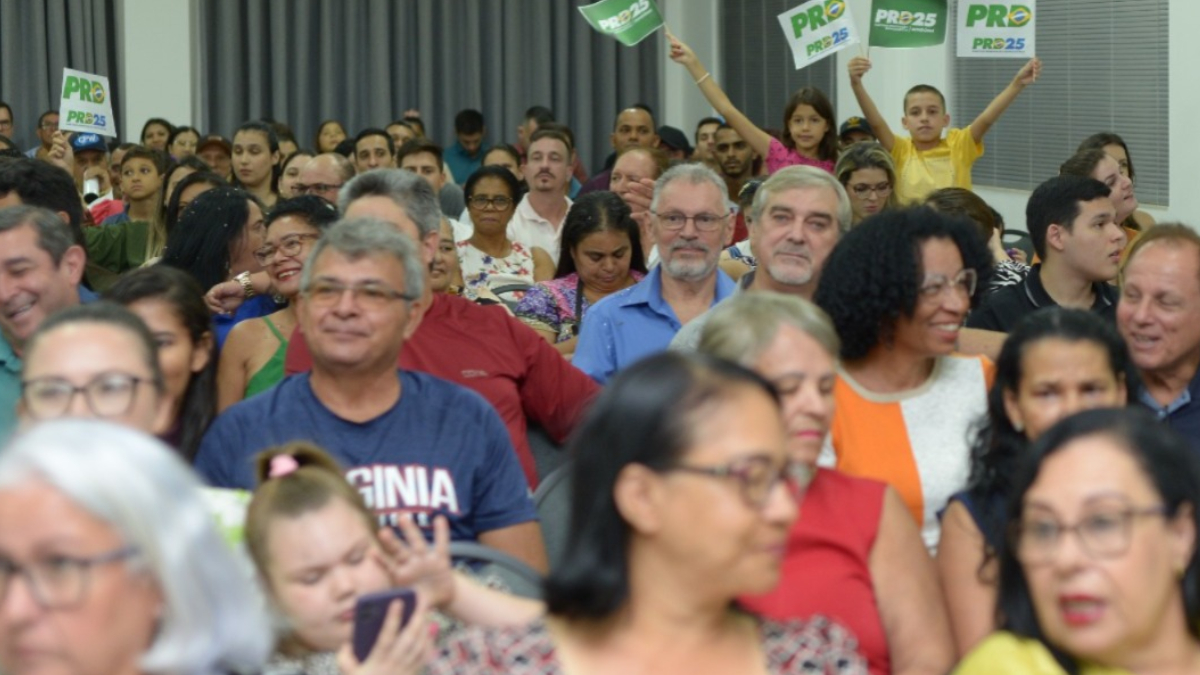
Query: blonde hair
(742, 327)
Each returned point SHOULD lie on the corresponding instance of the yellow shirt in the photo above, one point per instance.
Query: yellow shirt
(919, 172)
(1006, 654)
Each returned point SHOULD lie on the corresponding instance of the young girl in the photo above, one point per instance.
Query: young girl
(811, 132)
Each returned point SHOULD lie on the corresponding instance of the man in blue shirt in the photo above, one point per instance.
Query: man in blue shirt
(466, 154)
(691, 222)
(413, 444)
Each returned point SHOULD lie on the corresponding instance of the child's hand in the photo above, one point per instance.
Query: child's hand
(1029, 73)
(680, 53)
(859, 66)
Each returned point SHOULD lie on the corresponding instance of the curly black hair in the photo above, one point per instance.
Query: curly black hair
(872, 277)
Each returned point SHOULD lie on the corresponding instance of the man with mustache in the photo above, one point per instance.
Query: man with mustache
(690, 223)
(1072, 223)
(737, 159)
(797, 217)
(538, 220)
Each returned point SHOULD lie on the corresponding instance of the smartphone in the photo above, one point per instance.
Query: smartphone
(370, 612)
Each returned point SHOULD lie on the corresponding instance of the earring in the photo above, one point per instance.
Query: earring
(1019, 427)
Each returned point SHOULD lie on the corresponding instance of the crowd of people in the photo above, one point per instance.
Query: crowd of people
(812, 415)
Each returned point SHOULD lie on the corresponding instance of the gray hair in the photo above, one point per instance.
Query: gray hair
(54, 236)
(693, 173)
(214, 618)
(801, 177)
(409, 191)
(740, 328)
(357, 238)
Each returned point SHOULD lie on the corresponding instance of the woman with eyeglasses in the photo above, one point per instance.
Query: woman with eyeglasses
(1055, 363)
(1098, 568)
(898, 288)
(252, 360)
(110, 563)
(868, 174)
(602, 254)
(674, 441)
(489, 258)
(856, 555)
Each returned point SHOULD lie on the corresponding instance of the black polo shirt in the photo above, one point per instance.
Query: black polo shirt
(1002, 309)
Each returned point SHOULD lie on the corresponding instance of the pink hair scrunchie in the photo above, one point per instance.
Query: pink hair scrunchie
(282, 465)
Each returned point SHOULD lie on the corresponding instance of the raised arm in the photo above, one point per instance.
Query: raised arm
(883, 133)
(1027, 75)
(683, 54)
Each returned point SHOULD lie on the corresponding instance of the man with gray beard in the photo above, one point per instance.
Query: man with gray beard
(690, 220)
(797, 217)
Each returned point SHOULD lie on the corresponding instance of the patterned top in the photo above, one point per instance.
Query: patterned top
(816, 645)
(550, 305)
(480, 269)
(1007, 272)
(781, 156)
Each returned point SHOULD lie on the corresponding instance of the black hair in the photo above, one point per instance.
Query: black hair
(268, 130)
(1166, 460)
(418, 145)
(703, 121)
(647, 415)
(872, 277)
(540, 114)
(185, 297)
(201, 241)
(192, 162)
(106, 314)
(317, 212)
(43, 184)
(819, 102)
(160, 122)
(468, 121)
(506, 149)
(375, 131)
(179, 131)
(493, 171)
(320, 128)
(596, 212)
(998, 445)
(1056, 202)
(171, 212)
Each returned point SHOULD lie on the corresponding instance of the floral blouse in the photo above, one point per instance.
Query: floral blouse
(550, 306)
(480, 269)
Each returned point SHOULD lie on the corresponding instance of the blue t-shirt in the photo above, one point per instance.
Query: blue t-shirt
(440, 450)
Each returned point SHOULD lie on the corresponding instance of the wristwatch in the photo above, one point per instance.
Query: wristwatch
(247, 287)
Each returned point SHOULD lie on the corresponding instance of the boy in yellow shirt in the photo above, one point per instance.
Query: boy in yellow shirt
(926, 161)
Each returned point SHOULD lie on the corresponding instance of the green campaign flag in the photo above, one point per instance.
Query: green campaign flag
(906, 24)
(629, 21)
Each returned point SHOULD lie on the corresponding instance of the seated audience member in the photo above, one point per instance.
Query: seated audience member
(966, 204)
(633, 175)
(1106, 168)
(373, 149)
(1159, 317)
(329, 134)
(811, 138)
(214, 241)
(287, 140)
(1055, 363)
(1098, 571)
(926, 161)
(641, 588)
(289, 173)
(182, 143)
(797, 217)
(424, 158)
(169, 302)
(737, 163)
(401, 132)
(91, 157)
(705, 139)
(690, 219)
(634, 127)
(252, 359)
(508, 157)
(40, 271)
(488, 258)
(301, 492)
(856, 555)
(866, 171)
(217, 153)
(113, 564)
(482, 348)
(175, 175)
(323, 176)
(47, 126)
(417, 444)
(156, 133)
(737, 260)
(1074, 233)
(854, 130)
(464, 156)
(602, 254)
(540, 215)
(1115, 146)
(255, 158)
(674, 143)
(904, 401)
(185, 192)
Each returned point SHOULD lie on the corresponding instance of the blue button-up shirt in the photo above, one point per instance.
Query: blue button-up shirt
(1182, 414)
(631, 324)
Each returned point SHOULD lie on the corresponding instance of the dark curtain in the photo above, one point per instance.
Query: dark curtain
(364, 62)
(38, 38)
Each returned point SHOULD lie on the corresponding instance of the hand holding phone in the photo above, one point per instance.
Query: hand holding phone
(371, 614)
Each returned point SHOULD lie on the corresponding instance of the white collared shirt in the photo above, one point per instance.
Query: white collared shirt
(532, 230)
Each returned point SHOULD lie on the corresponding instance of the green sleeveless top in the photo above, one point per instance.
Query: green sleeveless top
(272, 371)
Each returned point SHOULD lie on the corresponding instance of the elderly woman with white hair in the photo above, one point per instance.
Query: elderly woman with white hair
(110, 563)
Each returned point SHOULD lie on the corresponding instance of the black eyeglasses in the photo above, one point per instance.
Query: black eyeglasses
(1105, 532)
(107, 395)
(757, 477)
(58, 581)
(498, 202)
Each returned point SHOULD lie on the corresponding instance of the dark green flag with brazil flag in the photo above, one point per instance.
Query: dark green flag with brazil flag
(629, 21)
(907, 24)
